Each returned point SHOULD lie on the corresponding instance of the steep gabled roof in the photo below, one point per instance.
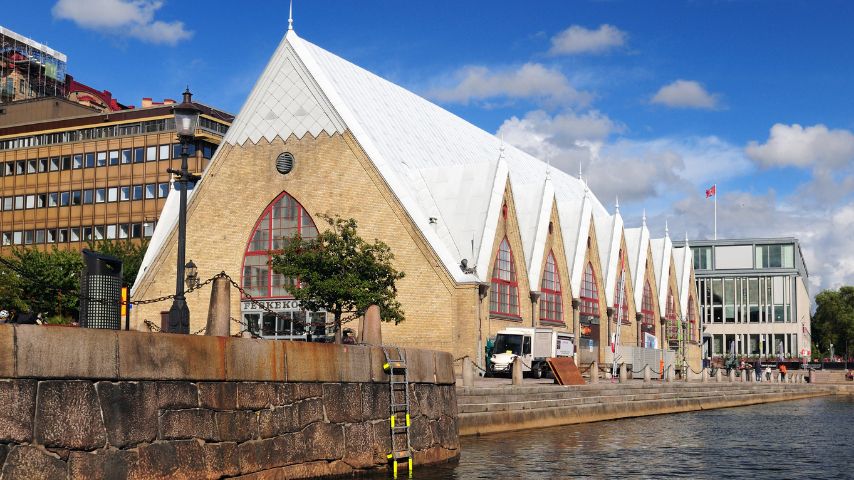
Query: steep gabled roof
(534, 209)
(449, 175)
(637, 244)
(609, 231)
(575, 226)
(662, 255)
(684, 262)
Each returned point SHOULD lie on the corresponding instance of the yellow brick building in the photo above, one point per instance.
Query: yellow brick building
(489, 237)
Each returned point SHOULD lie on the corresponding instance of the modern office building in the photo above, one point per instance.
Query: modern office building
(754, 297)
(70, 173)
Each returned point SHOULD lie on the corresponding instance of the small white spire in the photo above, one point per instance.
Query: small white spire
(501, 148)
(643, 219)
(666, 229)
(617, 205)
(548, 170)
(291, 16)
(579, 169)
(686, 238)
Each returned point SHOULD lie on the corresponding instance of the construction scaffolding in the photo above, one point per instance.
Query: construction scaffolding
(29, 69)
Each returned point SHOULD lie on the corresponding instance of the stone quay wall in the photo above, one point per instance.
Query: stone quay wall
(79, 403)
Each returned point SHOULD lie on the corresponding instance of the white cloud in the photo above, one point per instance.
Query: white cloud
(530, 81)
(685, 94)
(577, 40)
(796, 146)
(636, 170)
(130, 18)
(824, 233)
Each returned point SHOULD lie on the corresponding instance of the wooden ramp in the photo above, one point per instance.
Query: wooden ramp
(565, 371)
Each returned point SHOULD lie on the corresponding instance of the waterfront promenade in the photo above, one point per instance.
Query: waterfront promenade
(492, 406)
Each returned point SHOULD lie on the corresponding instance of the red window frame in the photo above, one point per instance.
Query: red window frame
(692, 318)
(670, 317)
(504, 289)
(551, 301)
(589, 292)
(647, 310)
(270, 233)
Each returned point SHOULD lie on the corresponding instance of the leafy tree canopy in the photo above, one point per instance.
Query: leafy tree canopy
(48, 282)
(341, 273)
(41, 282)
(833, 321)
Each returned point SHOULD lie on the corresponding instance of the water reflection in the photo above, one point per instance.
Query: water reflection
(805, 439)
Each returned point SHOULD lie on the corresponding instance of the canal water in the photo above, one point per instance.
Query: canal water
(810, 439)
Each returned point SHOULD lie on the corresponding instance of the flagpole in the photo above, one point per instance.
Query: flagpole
(715, 186)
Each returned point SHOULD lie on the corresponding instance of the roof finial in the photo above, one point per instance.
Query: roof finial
(617, 205)
(501, 147)
(579, 169)
(291, 16)
(548, 169)
(643, 219)
(666, 229)
(686, 238)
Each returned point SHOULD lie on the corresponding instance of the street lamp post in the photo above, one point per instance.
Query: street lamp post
(186, 121)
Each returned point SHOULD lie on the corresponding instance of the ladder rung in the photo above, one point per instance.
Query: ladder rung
(400, 455)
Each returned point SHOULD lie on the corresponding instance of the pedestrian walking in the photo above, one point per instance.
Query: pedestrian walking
(757, 369)
(783, 372)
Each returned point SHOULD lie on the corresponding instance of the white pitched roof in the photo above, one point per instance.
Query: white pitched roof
(609, 232)
(414, 144)
(684, 262)
(662, 251)
(437, 164)
(575, 227)
(637, 245)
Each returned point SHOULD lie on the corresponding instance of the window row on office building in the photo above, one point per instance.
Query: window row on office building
(746, 299)
(101, 159)
(86, 197)
(78, 234)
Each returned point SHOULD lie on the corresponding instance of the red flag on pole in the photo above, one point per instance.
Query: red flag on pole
(710, 192)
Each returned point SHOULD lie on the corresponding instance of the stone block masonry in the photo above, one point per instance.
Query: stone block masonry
(155, 419)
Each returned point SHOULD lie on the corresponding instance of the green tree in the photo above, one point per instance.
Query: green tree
(341, 273)
(833, 321)
(130, 252)
(42, 282)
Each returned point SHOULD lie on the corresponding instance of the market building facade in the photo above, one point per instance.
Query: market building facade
(489, 237)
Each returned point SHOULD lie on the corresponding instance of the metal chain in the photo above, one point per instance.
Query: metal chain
(269, 310)
(170, 297)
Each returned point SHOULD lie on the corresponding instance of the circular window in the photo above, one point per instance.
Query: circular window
(285, 163)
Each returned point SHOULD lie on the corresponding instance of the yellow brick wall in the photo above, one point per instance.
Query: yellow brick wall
(554, 243)
(330, 175)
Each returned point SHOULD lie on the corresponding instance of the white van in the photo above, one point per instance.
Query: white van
(532, 345)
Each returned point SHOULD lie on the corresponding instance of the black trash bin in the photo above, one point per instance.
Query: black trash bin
(100, 291)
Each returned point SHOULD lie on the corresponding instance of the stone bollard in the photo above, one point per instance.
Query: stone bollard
(624, 375)
(517, 371)
(219, 313)
(719, 376)
(704, 376)
(732, 375)
(646, 377)
(745, 376)
(775, 377)
(371, 331)
(668, 373)
(594, 372)
(468, 372)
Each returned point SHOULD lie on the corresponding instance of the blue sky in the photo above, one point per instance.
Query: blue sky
(657, 100)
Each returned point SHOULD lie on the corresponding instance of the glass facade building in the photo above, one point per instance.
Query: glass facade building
(753, 298)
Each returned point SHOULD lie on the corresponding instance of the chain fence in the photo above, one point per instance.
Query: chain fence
(245, 296)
